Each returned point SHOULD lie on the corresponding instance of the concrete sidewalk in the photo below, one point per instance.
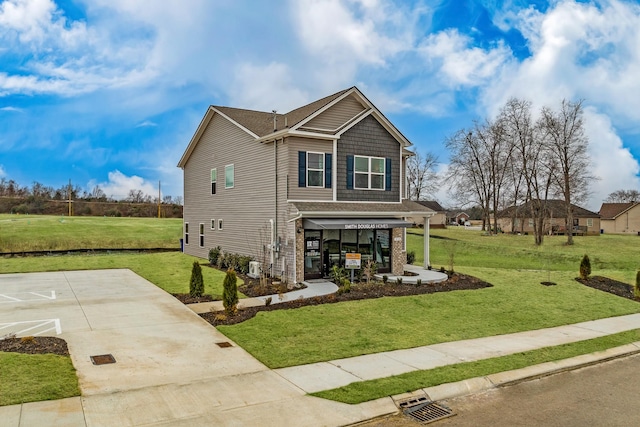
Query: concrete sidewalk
(169, 370)
(337, 373)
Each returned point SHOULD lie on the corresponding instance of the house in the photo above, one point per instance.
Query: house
(517, 219)
(439, 220)
(299, 191)
(621, 218)
(457, 218)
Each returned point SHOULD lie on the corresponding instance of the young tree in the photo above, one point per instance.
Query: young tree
(565, 138)
(230, 292)
(422, 179)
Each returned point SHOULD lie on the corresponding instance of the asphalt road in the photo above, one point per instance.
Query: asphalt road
(606, 394)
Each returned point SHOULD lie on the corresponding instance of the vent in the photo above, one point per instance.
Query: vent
(428, 412)
(224, 344)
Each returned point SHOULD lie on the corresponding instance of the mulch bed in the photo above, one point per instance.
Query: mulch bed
(357, 292)
(35, 345)
(605, 284)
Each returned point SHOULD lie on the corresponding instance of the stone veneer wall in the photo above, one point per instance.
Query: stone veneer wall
(299, 251)
(399, 255)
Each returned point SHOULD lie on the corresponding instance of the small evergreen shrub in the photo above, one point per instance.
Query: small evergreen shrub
(267, 301)
(196, 284)
(411, 257)
(214, 253)
(418, 282)
(385, 279)
(585, 268)
(399, 281)
(230, 292)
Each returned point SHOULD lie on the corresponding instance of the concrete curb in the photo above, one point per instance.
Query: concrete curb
(507, 378)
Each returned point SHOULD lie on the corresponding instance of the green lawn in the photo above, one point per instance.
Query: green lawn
(32, 378)
(43, 232)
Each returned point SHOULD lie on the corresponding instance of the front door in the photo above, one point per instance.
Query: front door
(312, 254)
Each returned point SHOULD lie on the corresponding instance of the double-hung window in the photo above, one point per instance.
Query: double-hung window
(186, 233)
(315, 169)
(201, 235)
(369, 173)
(214, 180)
(228, 176)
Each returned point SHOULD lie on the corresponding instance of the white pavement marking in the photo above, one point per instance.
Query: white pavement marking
(38, 297)
(40, 326)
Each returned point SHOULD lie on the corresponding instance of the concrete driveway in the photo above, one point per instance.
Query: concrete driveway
(169, 367)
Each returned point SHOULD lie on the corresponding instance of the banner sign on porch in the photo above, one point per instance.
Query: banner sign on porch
(352, 261)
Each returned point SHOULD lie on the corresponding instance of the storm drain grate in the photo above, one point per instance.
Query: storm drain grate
(224, 344)
(428, 412)
(103, 359)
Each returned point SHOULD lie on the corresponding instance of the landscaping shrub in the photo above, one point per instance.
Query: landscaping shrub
(196, 284)
(636, 288)
(337, 274)
(385, 279)
(411, 257)
(399, 280)
(369, 270)
(585, 268)
(230, 292)
(214, 253)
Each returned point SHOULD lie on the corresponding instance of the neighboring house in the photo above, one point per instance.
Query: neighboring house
(298, 191)
(517, 219)
(439, 220)
(621, 218)
(457, 218)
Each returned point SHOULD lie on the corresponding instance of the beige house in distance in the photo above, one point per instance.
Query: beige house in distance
(299, 191)
(620, 218)
(517, 219)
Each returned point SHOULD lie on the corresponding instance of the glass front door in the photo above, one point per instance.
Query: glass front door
(312, 251)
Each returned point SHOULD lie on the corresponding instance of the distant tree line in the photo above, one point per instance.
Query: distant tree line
(42, 199)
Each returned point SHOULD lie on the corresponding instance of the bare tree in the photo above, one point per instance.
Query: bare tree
(422, 179)
(136, 196)
(564, 137)
(623, 196)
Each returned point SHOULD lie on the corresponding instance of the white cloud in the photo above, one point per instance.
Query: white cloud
(146, 123)
(3, 173)
(119, 185)
(12, 109)
(458, 62)
(612, 162)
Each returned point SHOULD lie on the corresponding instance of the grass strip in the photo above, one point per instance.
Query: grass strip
(369, 390)
(36, 377)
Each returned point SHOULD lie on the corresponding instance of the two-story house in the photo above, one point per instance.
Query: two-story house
(298, 191)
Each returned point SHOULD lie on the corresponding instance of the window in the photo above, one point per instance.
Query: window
(228, 176)
(315, 169)
(186, 233)
(589, 222)
(530, 222)
(201, 235)
(213, 224)
(369, 173)
(214, 180)
(219, 224)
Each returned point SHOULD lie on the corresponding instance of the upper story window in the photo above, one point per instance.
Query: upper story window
(214, 180)
(228, 176)
(315, 169)
(369, 173)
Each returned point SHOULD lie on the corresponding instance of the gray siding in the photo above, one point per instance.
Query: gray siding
(337, 115)
(245, 208)
(294, 145)
(368, 138)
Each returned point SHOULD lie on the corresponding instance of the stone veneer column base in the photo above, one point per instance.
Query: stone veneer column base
(299, 251)
(399, 255)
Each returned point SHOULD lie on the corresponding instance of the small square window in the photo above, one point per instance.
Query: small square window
(219, 224)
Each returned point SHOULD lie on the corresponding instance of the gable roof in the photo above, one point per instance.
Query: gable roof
(556, 208)
(260, 124)
(431, 204)
(612, 210)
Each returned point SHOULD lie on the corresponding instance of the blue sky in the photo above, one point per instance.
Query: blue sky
(109, 92)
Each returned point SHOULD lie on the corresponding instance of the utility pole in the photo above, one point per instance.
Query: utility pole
(159, 193)
(70, 210)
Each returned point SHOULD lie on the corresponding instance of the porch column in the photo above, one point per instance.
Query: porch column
(426, 241)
